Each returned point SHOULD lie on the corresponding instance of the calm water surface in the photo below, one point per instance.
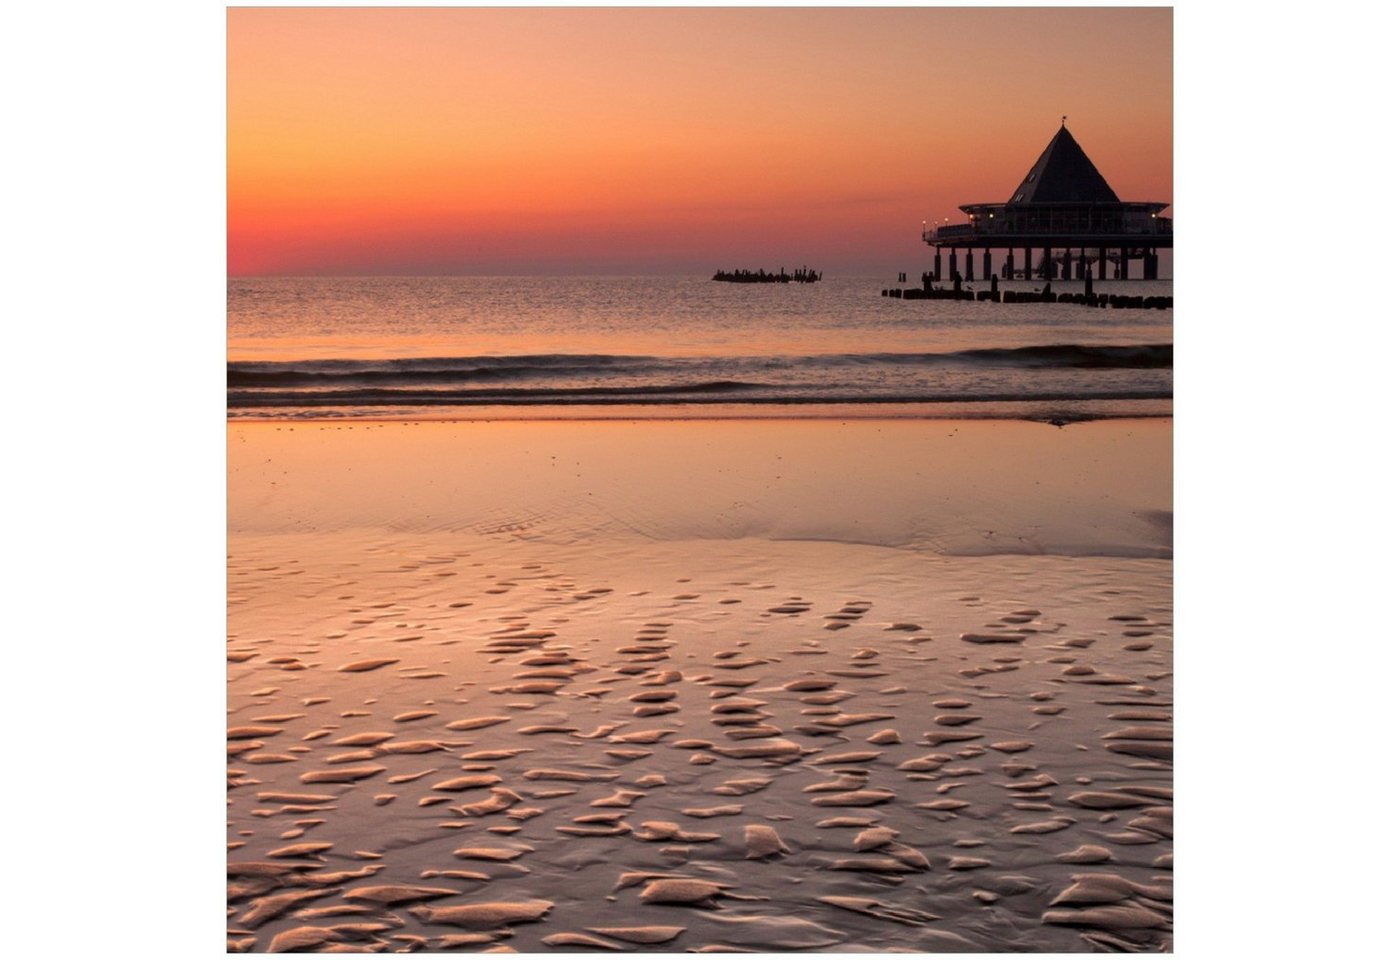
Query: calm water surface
(682, 346)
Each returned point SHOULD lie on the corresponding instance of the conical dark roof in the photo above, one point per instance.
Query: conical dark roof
(1064, 174)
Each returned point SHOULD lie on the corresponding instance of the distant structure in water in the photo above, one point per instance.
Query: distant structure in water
(1062, 206)
(800, 275)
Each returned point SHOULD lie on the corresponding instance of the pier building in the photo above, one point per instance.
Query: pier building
(1064, 221)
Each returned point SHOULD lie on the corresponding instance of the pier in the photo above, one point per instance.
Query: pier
(1063, 220)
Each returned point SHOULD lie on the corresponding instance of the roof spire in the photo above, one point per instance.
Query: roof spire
(1063, 174)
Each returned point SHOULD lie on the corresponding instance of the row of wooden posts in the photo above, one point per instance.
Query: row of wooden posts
(1110, 300)
(1053, 266)
(1045, 295)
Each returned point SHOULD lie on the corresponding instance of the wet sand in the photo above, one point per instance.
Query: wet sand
(868, 686)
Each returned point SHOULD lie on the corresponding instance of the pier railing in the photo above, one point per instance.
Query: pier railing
(1026, 226)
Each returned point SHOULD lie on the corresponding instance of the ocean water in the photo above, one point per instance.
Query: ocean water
(488, 347)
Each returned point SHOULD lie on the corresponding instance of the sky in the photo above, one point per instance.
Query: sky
(384, 141)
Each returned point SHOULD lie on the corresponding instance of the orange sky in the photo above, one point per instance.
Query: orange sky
(518, 141)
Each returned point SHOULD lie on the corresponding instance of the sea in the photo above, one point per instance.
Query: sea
(682, 347)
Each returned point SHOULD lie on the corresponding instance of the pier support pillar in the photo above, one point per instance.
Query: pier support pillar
(1030, 269)
(1083, 264)
(1149, 265)
(987, 264)
(968, 272)
(1125, 264)
(1103, 263)
(937, 267)
(1010, 268)
(1069, 269)
(1049, 262)
(952, 263)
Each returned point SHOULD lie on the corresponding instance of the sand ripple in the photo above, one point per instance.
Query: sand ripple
(620, 766)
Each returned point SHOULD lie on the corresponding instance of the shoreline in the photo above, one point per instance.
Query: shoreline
(425, 416)
(964, 487)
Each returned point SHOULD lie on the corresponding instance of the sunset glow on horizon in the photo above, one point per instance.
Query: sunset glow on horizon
(626, 141)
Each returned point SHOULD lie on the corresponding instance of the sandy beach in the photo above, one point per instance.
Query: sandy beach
(707, 685)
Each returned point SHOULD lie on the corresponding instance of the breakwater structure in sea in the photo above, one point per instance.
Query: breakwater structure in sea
(1087, 297)
(800, 275)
